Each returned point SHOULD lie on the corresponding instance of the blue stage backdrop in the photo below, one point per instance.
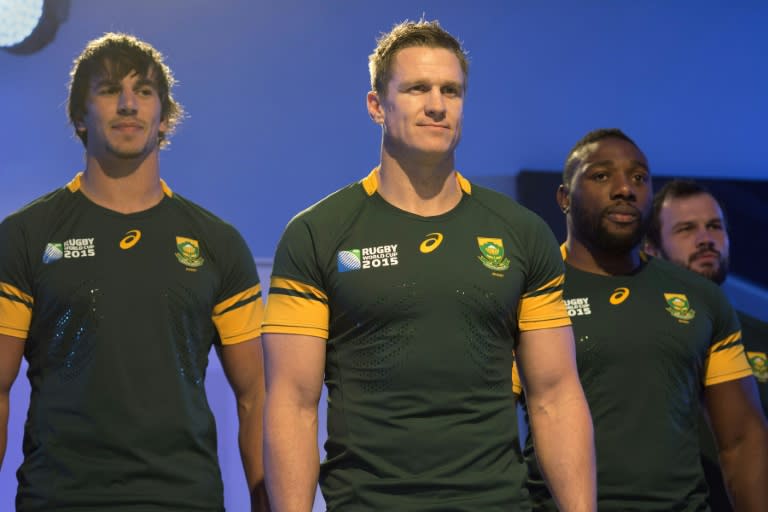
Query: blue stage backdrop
(275, 94)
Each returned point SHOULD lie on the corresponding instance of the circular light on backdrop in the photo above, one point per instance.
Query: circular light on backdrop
(27, 26)
(18, 19)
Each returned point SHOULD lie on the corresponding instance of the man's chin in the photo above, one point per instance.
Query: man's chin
(713, 272)
(127, 153)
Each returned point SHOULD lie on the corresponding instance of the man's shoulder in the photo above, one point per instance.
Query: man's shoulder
(505, 207)
(676, 279)
(200, 215)
(333, 206)
(755, 326)
(37, 210)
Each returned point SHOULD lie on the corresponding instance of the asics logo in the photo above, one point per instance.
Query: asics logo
(431, 243)
(130, 239)
(618, 296)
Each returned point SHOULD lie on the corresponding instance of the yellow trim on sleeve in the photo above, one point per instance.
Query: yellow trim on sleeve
(15, 311)
(553, 284)
(726, 361)
(296, 308)
(226, 304)
(543, 309)
(517, 385)
(239, 318)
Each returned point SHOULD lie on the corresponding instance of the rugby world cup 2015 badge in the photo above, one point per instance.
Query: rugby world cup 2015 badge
(188, 252)
(492, 254)
(679, 307)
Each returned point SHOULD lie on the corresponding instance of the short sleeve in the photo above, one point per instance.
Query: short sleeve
(16, 300)
(726, 359)
(541, 305)
(297, 302)
(239, 310)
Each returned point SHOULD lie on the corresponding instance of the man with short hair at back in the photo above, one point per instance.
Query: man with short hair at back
(407, 293)
(689, 229)
(652, 341)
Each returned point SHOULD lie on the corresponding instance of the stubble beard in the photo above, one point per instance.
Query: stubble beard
(592, 228)
(716, 274)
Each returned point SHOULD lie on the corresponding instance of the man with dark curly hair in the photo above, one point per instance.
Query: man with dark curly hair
(114, 288)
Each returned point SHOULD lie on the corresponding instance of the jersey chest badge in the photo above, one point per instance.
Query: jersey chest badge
(74, 248)
(188, 252)
(759, 363)
(492, 254)
(578, 306)
(378, 256)
(679, 307)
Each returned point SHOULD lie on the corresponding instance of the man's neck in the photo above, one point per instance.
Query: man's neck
(425, 187)
(592, 259)
(131, 187)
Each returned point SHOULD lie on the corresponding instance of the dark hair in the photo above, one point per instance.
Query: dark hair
(116, 55)
(674, 189)
(406, 35)
(573, 159)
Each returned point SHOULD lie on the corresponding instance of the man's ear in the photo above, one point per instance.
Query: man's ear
(564, 199)
(375, 108)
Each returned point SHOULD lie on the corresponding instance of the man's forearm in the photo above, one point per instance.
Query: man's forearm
(292, 460)
(250, 440)
(745, 469)
(4, 409)
(564, 445)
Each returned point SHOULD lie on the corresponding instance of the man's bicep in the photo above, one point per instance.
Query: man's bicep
(294, 367)
(732, 406)
(243, 364)
(11, 352)
(546, 357)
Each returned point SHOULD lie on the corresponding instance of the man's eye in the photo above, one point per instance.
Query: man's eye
(146, 91)
(640, 178)
(451, 91)
(107, 90)
(600, 176)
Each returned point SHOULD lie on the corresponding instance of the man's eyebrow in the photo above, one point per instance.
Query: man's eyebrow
(101, 82)
(144, 81)
(610, 163)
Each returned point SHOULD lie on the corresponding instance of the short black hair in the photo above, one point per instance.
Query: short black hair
(572, 162)
(674, 189)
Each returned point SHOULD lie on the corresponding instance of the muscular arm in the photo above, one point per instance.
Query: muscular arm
(244, 366)
(559, 416)
(742, 437)
(11, 350)
(294, 369)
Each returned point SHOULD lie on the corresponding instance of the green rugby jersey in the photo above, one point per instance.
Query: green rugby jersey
(119, 313)
(754, 335)
(646, 346)
(421, 315)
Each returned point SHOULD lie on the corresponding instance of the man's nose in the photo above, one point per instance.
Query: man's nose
(435, 106)
(623, 186)
(127, 102)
